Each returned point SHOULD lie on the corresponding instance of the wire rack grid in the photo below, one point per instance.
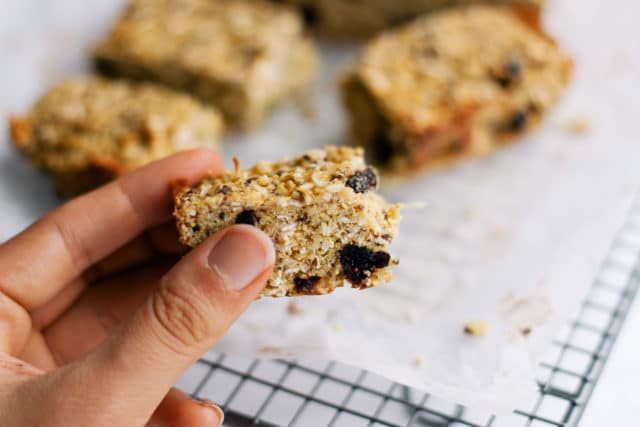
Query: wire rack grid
(309, 394)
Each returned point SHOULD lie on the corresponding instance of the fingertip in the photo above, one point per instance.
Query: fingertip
(262, 239)
(240, 256)
(212, 414)
(205, 157)
(198, 414)
(178, 409)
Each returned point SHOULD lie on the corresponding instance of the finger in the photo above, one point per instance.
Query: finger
(14, 370)
(100, 310)
(160, 240)
(42, 316)
(192, 307)
(85, 230)
(177, 410)
(15, 326)
(37, 353)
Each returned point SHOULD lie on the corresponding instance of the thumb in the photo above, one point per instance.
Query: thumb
(194, 304)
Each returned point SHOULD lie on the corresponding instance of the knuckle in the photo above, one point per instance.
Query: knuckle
(183, 317)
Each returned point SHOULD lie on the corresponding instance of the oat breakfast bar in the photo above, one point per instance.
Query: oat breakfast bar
(453, 84)
(321, 210)
(87, 131)
(242, 56)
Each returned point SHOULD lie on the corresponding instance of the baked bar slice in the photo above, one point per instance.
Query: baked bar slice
(85, 132)
(355, 19)
(242, 56)
(453, 84)
(321, 210)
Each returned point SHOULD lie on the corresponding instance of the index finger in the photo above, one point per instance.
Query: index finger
(40, 261)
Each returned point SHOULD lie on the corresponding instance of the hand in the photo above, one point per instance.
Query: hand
(97, 321)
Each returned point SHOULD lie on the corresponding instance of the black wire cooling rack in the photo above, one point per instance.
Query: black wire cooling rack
(309, 394)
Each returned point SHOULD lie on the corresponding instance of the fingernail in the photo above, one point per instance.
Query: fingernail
(213, 407)
(241, 256)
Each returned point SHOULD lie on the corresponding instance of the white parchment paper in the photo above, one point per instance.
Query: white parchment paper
(513, 239)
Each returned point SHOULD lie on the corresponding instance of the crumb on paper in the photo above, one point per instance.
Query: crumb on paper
(412, 315)
(525, 331)
(304, 104)
(471, 212)
(417, 204)
(294, 309)
(418, 360)
(578, 125)
(338, 327)
(477, 328)
(561, 153)
(269, 349)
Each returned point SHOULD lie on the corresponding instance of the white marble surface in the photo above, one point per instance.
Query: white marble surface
(41, 42)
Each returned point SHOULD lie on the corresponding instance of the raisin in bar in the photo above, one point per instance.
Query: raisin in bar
(85, 132)
(353, 19)
(241, 56)
(320, 209)
(453, 84)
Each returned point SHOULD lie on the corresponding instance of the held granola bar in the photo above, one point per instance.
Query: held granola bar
(85, 132)
(320, 209)
(242, 56)
(449, 85)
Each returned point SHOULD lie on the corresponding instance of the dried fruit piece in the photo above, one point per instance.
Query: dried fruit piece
(358, 262)
(305, 285)
(509, 75)
(247, 217)
(363, 181)
(517, 122)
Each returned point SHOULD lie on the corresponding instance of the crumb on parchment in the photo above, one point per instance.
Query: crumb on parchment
(578, 125)
(294, 309)
(477, 328)
(526, 331)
